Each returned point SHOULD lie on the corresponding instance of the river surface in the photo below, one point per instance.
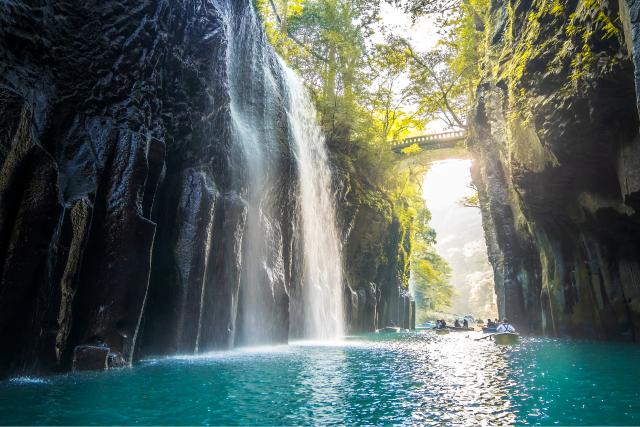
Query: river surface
(413, 377)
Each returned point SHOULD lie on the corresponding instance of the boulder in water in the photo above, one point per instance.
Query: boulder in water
(90, 358)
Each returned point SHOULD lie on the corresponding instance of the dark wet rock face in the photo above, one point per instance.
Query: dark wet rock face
(122, 196)
(557, 165)
(90, 358)
(127, 181)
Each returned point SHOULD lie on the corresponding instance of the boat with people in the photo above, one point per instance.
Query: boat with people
(491, 326)
(506, 338)
(441, 327)
(505, 334)
(502, 333)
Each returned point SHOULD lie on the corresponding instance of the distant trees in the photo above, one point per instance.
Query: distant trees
(430, 273)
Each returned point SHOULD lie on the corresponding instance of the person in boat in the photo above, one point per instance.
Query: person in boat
(490, 324)
(456, 324)
(505, 326)
(465, 324)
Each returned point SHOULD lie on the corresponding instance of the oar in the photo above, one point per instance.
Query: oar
(488, 336)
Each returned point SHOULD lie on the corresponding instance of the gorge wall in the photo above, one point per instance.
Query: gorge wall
(377, 252)
(555, 137)
(149, 191)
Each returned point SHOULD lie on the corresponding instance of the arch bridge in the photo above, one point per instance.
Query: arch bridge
(431, 141)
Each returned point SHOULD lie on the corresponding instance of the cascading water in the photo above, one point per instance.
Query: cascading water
(272, 114)
(255, 102)
(322, 269)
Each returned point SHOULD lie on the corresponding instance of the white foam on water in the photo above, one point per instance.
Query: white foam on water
(29, 380)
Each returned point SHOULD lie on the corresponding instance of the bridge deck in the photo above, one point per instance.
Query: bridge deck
(437, 140)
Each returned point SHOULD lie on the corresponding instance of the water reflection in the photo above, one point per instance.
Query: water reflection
(434, 379)
(406, 378)
(471, 380)
(323, 377)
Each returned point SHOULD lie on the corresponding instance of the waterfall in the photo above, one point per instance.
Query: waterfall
(322, 269)
(271, 115)
(255, 102)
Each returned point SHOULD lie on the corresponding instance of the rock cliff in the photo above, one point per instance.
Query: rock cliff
(377, 249)
(555, 138)
(116, 173)
(124, 194)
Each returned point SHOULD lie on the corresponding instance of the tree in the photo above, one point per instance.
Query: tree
(417, 8)
(431, 276)
(443, 80)
(324, 40)
(361, 92)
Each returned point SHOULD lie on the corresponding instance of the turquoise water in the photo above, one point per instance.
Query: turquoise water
(393, 379)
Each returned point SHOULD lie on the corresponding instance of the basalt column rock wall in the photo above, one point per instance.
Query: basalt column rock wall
(122, 194)
(555, 138)
(377, 248)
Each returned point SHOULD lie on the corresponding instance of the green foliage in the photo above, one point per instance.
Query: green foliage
(577, 39)
(324, 40)
(472, 201)
(412, 149)
(359, 88)
(443, 79)
(431, 287)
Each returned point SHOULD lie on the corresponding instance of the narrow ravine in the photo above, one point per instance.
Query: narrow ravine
(447, 188)
(251, 212)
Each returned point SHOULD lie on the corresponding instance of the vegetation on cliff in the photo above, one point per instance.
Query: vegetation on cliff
(372, 87)
(554, 134)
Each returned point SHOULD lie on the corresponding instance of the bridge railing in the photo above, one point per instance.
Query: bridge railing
(434, 137)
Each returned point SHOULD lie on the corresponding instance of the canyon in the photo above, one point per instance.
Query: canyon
(164, 188)
(556, 148)
(160, 178)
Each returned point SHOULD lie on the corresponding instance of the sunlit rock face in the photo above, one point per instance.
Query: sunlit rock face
(555, 136)
(128, 183)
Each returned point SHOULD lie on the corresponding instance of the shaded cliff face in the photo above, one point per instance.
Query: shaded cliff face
(555, 137)
(377, 248)
(147, 183)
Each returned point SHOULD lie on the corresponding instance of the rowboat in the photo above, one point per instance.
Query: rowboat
(442, 331)
(506, 338)
(490, 330)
